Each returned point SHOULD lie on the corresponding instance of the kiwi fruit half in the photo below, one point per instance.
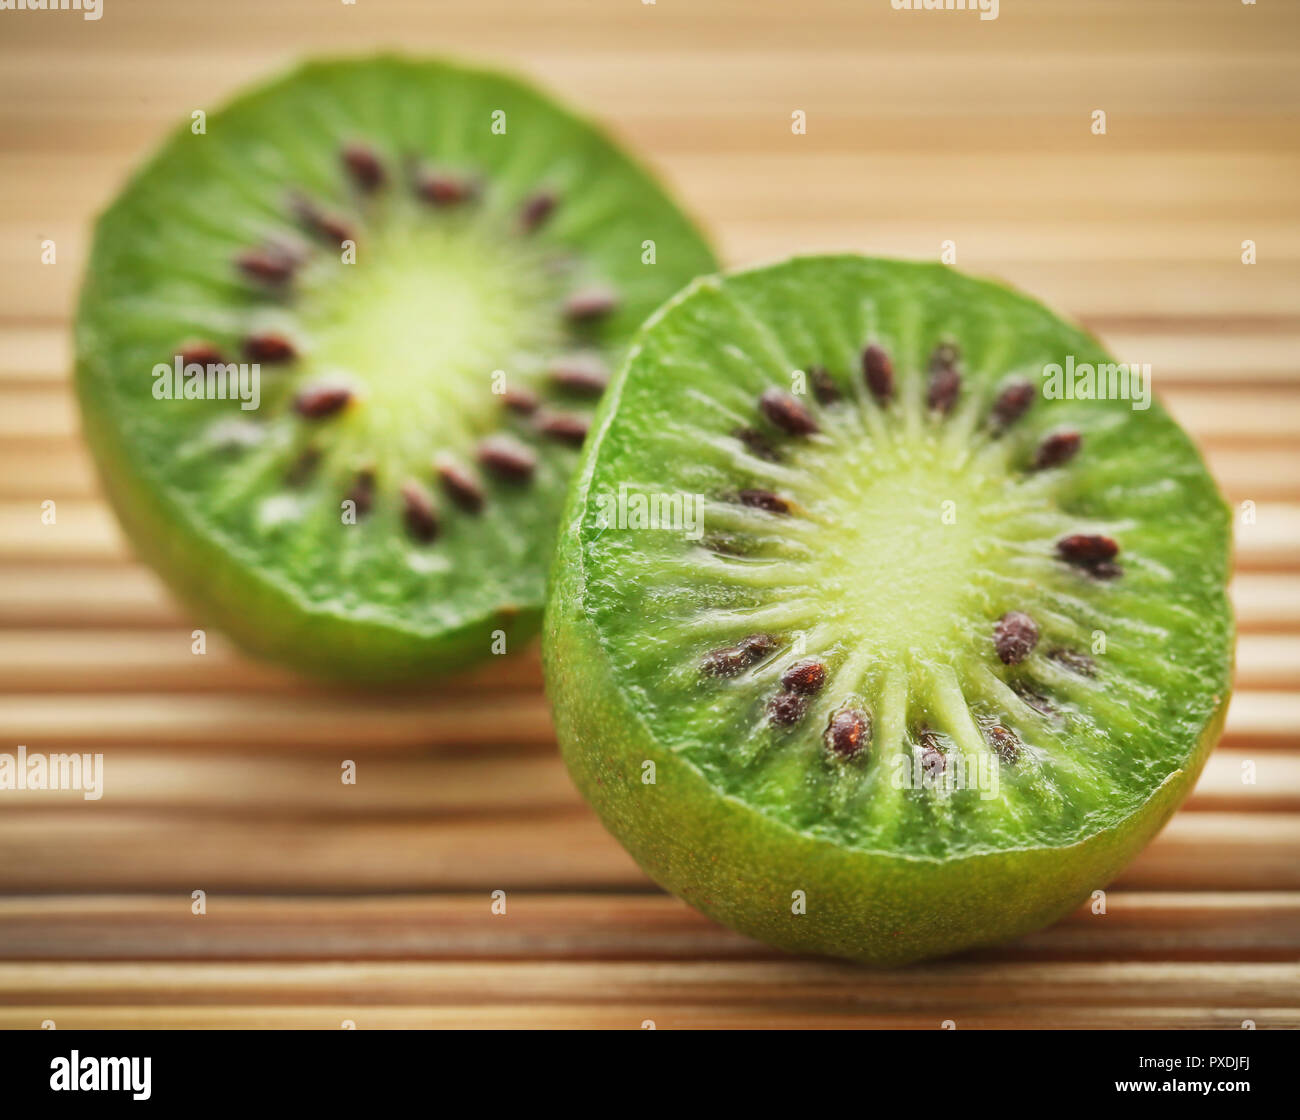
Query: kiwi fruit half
(433, 269)
(863, 638)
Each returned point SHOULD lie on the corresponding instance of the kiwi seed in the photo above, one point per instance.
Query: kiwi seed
(786, 413)
(418, 512)
(1014, 636)
(271, 267)
(785, 709)
(362, 493)
(318, 401)
(1056, 449)
(806, 677)
(364, 167)
(536, 210)
(757, 444)
(1004, 741)
(270, 349)
(823, 385)
(567, 427)
(944, 387)
(763, 499)
(1079, 664)
(1012, 403)
(933, 758)
(579, 373)
(730, 660)
(461, 486)
(507, 458)
(588, 304)
(849, 733)
(1089, 551)
(879, 373)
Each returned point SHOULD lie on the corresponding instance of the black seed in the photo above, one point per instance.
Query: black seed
(364, 166)
(461, 486)
(1078, 663)
(1014, 636)
(786, 709)
(580, 373)
(1004, 741)
(805, 677)
(318, 401)
(201, 353)
(944, 356)
(520, 400)
(823, 385)
(443, 189)
(418, 512)
(849, 733)
(879, 372)
(589, 304)
(1087, 550)
(362, 493)
(566, 427)
(933, 761)
(1034, 699)
(943, 390)
(272, 267)
(328, 227)
(269, 348)
(536, 210)
(727, 661)
(758, 444)
(1057, 448)
(763, 499)
(758, 645)
(507, 458)
(303, 467)
(786, 413)
(1012, 402)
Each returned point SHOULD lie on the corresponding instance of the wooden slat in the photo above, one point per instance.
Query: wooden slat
(1237, 925)
(778, 987)
(653, 1014)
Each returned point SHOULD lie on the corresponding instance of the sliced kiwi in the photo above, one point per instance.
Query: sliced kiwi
(434, 268)
(943, 651)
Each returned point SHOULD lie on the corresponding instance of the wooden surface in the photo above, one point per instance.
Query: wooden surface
(371, 903)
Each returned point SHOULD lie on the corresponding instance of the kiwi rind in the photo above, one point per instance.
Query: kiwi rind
(351, 635)
(740, 864)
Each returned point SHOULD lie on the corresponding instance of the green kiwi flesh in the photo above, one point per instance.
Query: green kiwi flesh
(433, 268)
(944, 650)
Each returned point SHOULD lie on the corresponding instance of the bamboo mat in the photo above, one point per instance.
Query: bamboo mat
(371, 903)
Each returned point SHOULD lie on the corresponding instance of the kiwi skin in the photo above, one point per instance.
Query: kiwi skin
(741, 867)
